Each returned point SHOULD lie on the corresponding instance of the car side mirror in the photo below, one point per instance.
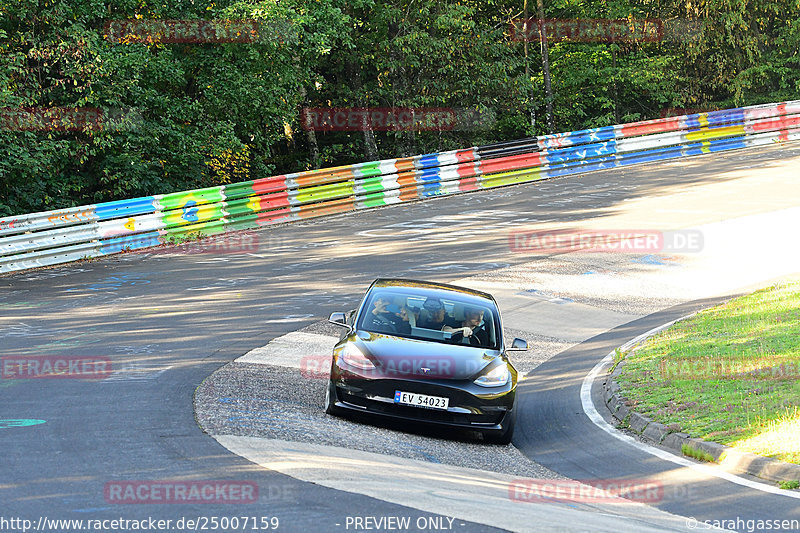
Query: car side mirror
(519, 345)
(339, 319)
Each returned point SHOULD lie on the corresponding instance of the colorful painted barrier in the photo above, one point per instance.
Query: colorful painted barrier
(53, 237)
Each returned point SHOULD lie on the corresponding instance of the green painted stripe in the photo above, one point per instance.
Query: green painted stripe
(235, 191)
(179, 199)
(242, 222)
(370, 169)
(509, 178)
(325, 192)
(240, 206)
(209, 228)
(372, 184)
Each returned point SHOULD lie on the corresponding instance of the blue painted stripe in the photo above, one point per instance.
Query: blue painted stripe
(656, 154)
(428, 174)
(575, 167)
(579, 152)
(429, 189)
(715, 119)
(428, 160)
(731, 143)
(580, 137)
(125, 208)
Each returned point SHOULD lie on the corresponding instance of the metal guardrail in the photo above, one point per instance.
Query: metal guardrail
(64, 235)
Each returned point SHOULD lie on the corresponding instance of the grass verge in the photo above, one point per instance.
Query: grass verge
(700, 455)
(730, 374)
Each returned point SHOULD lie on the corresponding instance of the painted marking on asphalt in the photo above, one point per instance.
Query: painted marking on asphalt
(19, 422)
(136, 372)
(597, 419)
(289, 318)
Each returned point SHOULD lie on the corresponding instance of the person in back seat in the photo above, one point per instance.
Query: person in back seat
(435, 316)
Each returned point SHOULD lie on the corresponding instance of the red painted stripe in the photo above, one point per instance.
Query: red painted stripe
(514, 162)
(271, 217)
(465, 155)
(466, 170)
(468, 184)
(646, 127)
(271, 184)
(270, 201)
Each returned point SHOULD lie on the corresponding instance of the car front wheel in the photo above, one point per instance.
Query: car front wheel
(330, 399)
(504, 437)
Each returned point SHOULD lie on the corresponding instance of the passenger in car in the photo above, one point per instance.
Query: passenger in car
(433, 315)
(401, 312)
(383, 317)
(471, 331)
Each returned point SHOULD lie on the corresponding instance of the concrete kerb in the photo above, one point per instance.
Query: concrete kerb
(731, 459)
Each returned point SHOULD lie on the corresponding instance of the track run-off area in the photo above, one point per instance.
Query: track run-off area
(197, 392)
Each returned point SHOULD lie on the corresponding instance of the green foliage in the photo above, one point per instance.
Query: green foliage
(694, 453)
(201, 114)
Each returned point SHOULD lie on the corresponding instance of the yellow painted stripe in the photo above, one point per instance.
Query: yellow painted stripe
(716, 133)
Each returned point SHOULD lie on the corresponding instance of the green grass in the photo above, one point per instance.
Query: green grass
(619, 356)
(730, 374)
(789, 485)
(700, 455)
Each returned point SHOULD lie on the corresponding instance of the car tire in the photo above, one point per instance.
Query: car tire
(330, 395)
(505, 436)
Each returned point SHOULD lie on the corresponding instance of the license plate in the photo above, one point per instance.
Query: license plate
(421, 400)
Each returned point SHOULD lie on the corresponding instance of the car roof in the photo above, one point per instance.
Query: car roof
(430, 288)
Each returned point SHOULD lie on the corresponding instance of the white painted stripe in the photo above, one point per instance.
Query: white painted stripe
(594, 416)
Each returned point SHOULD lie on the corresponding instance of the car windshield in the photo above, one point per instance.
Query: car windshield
(443, 317)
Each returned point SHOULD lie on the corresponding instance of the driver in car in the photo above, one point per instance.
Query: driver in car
(471, 331)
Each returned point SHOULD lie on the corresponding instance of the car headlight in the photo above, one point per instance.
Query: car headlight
(351, 355)
(496, 377)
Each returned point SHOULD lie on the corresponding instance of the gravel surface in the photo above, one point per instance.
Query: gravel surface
(279, 403)
(323, 327)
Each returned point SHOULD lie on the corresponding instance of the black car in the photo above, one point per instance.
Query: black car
(426, 352)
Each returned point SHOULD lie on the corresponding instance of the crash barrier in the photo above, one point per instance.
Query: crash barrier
(64, 235)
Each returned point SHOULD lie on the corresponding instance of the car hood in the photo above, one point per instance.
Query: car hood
(405, 358)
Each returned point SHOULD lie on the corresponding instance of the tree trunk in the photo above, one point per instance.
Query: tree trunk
(546, 67)
(531, 104)
(311, 136)
(615, 95)
(370, 146)
(313, 149)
